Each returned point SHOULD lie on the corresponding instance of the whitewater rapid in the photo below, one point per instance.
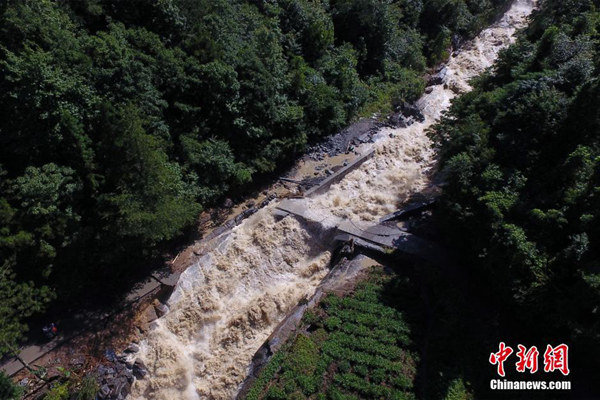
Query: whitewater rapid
(226, 305)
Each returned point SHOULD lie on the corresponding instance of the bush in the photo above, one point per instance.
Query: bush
(8, 390)
(58, 391)
(87, 389)
(303, 356)
(333, 323)
(275, 393)
(344, 366)
(458, 391)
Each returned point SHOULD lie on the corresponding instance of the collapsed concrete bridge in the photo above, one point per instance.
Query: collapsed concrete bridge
(383, 237)
(377, 237)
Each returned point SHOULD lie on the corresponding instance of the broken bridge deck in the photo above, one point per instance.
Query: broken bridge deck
(376, 237)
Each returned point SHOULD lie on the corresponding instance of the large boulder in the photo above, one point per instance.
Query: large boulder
(439, 78)
(139, 369)
(412, 111)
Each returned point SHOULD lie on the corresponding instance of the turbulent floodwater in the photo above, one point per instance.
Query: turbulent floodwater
(226, 305)
(403, 162)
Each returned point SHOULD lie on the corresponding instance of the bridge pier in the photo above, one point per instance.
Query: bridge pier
(376, 237)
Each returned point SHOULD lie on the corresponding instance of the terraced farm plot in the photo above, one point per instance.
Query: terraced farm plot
(353, 347)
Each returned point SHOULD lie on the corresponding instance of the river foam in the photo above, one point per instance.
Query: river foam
(404, 156)
(226, 305)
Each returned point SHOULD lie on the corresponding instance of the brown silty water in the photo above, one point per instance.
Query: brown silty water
(226, 305)
(404, 161)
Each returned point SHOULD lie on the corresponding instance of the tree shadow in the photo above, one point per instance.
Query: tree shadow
(456, 322)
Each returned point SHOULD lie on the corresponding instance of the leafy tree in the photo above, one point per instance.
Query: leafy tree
(8, 390)
(214, 163)
(151, 199)
(18, 301)
(522, 159)
(121, 120)
(308, 26)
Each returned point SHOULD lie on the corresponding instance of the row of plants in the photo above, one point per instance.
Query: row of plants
(353, 347)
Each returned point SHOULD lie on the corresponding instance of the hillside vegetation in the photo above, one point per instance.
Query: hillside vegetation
(121, 120)
(355, 347)
(522, 158)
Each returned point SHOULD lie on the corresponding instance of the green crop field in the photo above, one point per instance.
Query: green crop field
(353, 347)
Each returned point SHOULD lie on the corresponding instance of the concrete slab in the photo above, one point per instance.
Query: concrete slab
(12, 367)
(143, 288)
(31, 353)
(166, 277)
(150, 314)
(410, 209)
(339, 175)
(293, 207)
(298, 208)
(375, 237)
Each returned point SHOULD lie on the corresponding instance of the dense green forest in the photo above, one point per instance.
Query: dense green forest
(522, 158)
(121, 120)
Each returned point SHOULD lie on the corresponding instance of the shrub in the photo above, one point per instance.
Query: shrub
(8, 390)
(303, 356)
(332, 323)
(87, 388)
(344, 366)
(457, 391)
(59, 391)
(275, 393)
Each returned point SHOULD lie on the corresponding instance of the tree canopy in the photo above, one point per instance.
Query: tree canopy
(522, 158)
(121, 120)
